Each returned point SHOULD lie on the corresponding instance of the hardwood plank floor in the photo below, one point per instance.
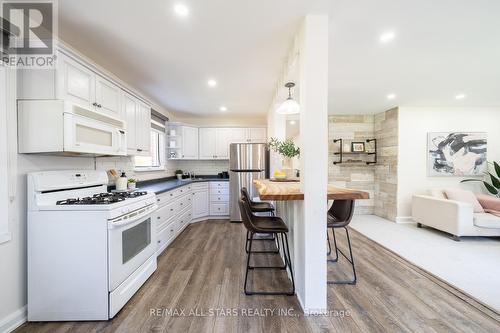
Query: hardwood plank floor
(203, 271)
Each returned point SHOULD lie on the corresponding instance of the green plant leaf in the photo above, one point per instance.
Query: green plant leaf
(494, 181)
(497, 168)
(490, 188)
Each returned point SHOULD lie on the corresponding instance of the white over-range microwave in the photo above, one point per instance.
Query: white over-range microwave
(61, 127)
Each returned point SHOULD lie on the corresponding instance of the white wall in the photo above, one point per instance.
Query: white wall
(414, 124)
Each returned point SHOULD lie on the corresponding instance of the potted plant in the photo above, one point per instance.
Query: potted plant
(179, 174)
(288, 150)
(131, 183)
(494, 186)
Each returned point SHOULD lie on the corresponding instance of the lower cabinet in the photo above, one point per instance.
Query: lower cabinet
(178, 207)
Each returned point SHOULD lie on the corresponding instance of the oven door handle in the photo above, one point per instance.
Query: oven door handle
(134, 217)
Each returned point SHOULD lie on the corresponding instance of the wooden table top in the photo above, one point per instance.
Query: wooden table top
(283, 191)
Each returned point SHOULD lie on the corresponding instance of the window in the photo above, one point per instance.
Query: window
(155, 161)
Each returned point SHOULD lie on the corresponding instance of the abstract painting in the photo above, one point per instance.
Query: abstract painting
(457, 154)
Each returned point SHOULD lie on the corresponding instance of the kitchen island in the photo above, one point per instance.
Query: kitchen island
(290, 206)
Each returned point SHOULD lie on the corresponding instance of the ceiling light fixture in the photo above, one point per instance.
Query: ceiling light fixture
(212, 83)
(289, 106)
(391, 96)
(292, 122)
(460, 96)
(181, 10)
(223, 109)
(387, 37)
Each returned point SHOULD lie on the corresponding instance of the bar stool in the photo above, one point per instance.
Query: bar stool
(259, 207)
(339, 216)
(272, 225)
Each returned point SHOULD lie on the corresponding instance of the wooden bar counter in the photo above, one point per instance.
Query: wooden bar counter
(287, 191)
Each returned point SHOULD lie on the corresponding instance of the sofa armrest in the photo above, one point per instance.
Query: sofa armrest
(450, 216)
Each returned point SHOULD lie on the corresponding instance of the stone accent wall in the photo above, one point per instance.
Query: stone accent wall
(386, 170)
(352, 175)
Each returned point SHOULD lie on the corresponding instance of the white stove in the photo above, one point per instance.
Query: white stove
(89, 251)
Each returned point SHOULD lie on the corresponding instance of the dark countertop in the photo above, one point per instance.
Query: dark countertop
(166, 184)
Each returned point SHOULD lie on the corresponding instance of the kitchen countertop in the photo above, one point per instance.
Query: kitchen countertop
(283, 191)
(166, 184)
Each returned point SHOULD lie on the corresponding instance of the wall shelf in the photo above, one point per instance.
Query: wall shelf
(341, 153)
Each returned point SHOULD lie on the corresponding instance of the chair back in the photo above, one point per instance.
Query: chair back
(342, 210)
(246, 214)
(246, 195)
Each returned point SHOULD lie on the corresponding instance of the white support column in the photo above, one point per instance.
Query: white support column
(310, 235)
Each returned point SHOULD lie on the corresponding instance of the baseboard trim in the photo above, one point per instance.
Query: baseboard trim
(206, 218)
(13, 320)
(404, 219)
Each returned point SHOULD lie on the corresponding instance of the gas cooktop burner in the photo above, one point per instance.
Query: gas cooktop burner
(101, 198)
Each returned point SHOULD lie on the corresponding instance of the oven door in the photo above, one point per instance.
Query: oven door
(131, 242)
(90, 136)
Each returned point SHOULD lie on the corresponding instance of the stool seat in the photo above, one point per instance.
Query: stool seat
(261, 207)
(269, 224)
(335, 222)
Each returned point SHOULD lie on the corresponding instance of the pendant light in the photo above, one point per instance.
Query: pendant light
(290, 106)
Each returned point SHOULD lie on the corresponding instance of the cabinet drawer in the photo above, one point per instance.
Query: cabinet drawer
(182, 203)
(163, 214)
(219, 198)
(182, 190)
(166, 197)
(199, 186)
(219, 185)
(219, 208)
(219, 191)
(165, 235)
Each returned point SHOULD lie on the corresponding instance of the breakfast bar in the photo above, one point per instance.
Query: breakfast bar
(290, 206)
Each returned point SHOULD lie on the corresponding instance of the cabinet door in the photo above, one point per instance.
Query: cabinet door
(143, 128)
(222, 138)
(238, 135)
(257, 135)
(107, 97)
(76, 83)
(189, 143)
(207, 143)
(129, 112)
(200, 204)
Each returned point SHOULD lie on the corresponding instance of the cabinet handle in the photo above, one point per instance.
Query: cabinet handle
(94, 104)
(157, 217)
(139, 150)
(159, 242)
(171, 209)
(158, 200)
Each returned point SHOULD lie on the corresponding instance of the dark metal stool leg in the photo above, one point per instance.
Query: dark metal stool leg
(262, 239)
(335, 245)
(351, 261)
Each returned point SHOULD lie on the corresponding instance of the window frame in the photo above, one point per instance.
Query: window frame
(162, 154)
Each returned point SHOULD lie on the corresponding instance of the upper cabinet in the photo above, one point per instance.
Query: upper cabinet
(257, 135)
(214, 142)
(78, 84)
(207, 143)
(138, 117)
(189, 146)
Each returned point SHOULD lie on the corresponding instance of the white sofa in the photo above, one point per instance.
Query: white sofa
(454, 217)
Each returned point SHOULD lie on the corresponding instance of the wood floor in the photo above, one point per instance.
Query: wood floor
(204, 268)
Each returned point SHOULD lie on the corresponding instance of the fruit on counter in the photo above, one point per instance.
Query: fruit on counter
(279, 174)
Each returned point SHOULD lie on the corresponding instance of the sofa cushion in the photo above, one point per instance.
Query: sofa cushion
(437, 193)
(484, 220)
(457, 194)
(489, 201)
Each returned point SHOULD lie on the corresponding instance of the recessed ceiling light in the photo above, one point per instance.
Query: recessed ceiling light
(292, 122)
(387, 36)
(181, 10)
(391, 96)
(460, 96)
(223, 109)
(212, 83)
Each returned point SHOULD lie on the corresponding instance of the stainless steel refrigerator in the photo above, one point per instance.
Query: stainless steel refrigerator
(247, 161)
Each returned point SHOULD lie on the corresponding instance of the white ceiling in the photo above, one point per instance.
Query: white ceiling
(442, 48)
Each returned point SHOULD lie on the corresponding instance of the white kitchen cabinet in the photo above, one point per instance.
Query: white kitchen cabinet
(238, 135)
(222, 141)
(76, 83)
(219, 198)
(107, 96)
(189, 143)
(257, 135)
(138, 118)
(200, 203)
(207, 143)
